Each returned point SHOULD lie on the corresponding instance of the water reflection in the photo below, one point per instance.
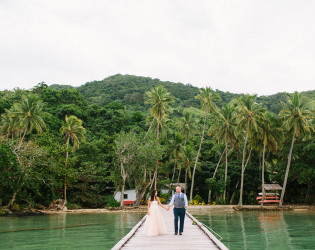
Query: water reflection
(262, 230)
(66, 231)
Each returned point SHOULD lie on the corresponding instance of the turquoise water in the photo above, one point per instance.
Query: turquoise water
(66, 231)
(263, 230)
(240, 230)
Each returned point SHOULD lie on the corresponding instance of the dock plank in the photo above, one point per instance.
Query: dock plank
(194, 236)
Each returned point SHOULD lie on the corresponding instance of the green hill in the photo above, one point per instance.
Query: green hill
(130, 91)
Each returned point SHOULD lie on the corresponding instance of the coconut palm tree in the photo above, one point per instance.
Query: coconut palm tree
(9, 124)
(188, 125)
(207, 97)
(224, 128)
(248, 111)
(176, 146)
(297, 120)
(29, 111)
(187, 159)
(160, 99)
(270, 135)
(73, 131)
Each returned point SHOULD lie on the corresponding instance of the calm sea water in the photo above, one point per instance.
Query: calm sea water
(240, 230)
(263, 230)
(66, 231)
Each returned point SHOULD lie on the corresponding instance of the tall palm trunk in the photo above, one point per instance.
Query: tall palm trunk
(243, 169)
(24, 133)
(186, 179)
(173, 176)
(179, 175)
(215, 172)
(149, 128)
(263, 177)
(236, 186)
(226, 169)
(65, 179)
(157, 139)
(194, 170)
(287, 170)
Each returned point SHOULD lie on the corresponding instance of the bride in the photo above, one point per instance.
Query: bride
(154, 224)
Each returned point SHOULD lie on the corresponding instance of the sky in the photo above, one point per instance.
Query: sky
(248, 46)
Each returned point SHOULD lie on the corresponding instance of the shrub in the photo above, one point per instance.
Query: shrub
(73, 205)
(111, 201)
(162, 200)
(15, 207)
(198, 199)
(165, 196)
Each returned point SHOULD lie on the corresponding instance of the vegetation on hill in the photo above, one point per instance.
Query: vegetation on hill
(84, 144)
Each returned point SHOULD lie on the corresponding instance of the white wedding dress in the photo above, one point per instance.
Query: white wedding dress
(154, 224)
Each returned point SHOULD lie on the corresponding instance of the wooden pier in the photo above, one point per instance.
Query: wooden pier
(194, 236)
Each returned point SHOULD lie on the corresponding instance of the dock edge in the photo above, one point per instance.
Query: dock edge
(215, 240)
(124, 240)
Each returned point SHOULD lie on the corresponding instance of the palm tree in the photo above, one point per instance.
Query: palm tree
(187, 159)
(248, 112)
(270, 138)
(297, 120)
(73, 131)
(207, 97)
(29, 111)
(224, 128)
(9, 124)
(160, 99)
(188, 124)
(176, 146)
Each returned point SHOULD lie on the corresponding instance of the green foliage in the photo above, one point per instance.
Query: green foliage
(165, 196)
(110, 201)
(114, 112)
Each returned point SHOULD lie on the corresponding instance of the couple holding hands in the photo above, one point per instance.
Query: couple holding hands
(154, 224)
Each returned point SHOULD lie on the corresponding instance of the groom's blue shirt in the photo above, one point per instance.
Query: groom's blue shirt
(173, 199)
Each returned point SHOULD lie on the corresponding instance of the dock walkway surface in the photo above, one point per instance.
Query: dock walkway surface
(194, 236)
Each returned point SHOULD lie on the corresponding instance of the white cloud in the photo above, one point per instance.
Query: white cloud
(239, 46)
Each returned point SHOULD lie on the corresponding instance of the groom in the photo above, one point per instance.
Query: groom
(181, 203)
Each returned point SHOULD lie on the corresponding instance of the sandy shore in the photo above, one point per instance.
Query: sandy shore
(199, 209)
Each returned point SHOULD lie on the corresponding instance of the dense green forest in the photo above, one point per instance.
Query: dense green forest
(84, 144)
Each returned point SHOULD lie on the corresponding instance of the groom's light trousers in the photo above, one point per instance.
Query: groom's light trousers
(181, 213)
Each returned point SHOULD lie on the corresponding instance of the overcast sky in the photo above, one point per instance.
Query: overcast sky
(246, 46)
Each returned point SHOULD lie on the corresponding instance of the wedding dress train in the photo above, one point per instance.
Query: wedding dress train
(154, 224)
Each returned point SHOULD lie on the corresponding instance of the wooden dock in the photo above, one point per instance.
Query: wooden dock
(194, 236)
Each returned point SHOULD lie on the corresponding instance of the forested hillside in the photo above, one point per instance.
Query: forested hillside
(83, 144)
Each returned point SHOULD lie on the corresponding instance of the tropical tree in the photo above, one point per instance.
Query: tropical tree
(74, 132)
(29, 112)
(188, 125)
(271, 136)
(126, 150)
(207, 97)
(160, 99)
(297, 120)
(148, 153)
(224, 128)
(187, 160)
(9, 125)
(248, 111)
(176, 146)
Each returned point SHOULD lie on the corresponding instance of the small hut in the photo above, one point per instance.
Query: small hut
(267, 196)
